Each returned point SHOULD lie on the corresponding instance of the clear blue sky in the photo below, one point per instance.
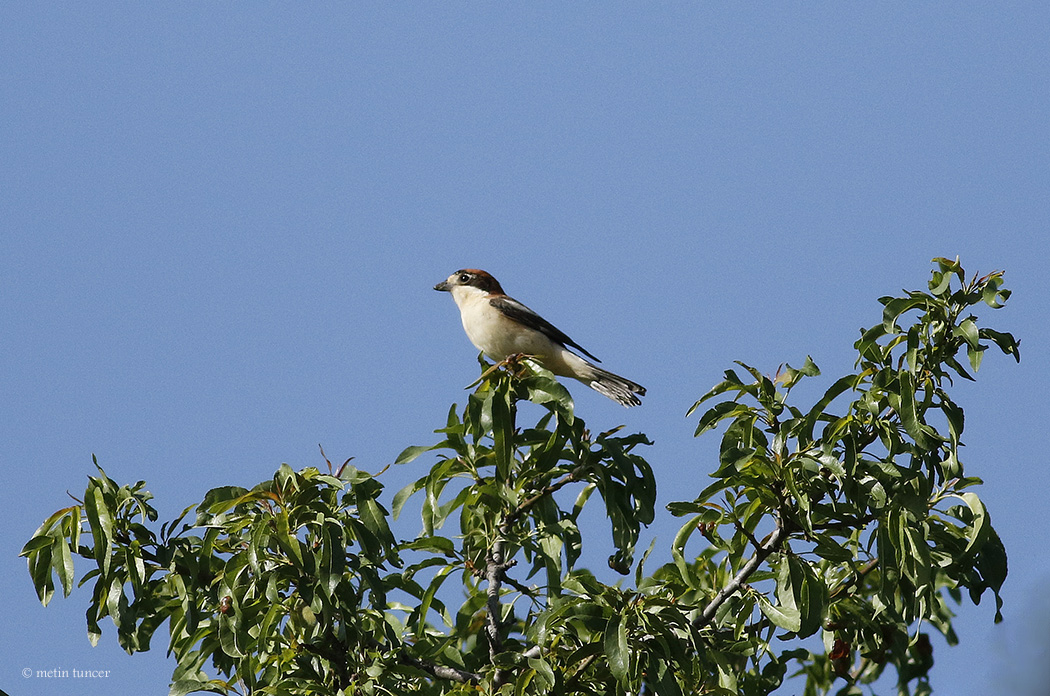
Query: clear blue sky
(220, 225)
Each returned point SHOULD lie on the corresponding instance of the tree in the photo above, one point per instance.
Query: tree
(849, 519)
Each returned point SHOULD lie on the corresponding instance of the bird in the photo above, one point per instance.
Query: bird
(500, 326)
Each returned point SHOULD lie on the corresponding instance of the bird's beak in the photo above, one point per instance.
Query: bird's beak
(443, 286)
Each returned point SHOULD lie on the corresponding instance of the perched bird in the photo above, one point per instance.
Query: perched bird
(500, 326)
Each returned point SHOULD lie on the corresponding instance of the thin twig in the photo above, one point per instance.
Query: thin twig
(743, 530)
(770, 544)
(854, 579)
(575, 678)
(524, 589)
(524, 506)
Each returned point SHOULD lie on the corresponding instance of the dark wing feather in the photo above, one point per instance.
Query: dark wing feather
(523, 315)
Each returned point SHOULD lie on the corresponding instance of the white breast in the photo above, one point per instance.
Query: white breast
(492, 332)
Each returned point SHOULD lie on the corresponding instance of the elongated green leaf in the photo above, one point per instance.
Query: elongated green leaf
(832, 393)
(410, 453)
(787, 618)
(909, 413)
(62, 561)
(975, 356)
(428, 597)
(979, 527)
(991, 562)
(544, 389)
(100, 519)
(731, 383)
(502, 433)
(433, 544)
(42, 541)
(898, 306)
(40, 570)
(402, 496)
(545, 678)
(1007, 343)
(228, 635)
(719, 412)
(616, 648)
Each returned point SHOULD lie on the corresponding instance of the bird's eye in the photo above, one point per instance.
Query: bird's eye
(464, 277)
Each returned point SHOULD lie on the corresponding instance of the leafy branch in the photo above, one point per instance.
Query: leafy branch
(850, 518)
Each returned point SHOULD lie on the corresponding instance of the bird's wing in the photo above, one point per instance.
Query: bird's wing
(515, 310)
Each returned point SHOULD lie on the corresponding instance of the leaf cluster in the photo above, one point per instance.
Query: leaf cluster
(833, 534)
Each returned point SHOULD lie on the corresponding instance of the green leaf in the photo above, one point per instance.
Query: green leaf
(979, 526)
(41, 541)
(410, 453)
(731, 383)
(100, 519)
(1007, 343)
(791, 376)
(832, 393)
(502, 433)
(433, 544)
(402, 496)
(967, 330)
(992, 564)
(228, 635)
(909, 414)
(898, 306)
(545, 679)
(40, 570)
(940, 283)
(830, 550)
(785, 617)
(678, 548)
(62, 561)
(616, 648)
(718, 413)
(975, 356)
(992, 294)
(428, 597)
(545, 390)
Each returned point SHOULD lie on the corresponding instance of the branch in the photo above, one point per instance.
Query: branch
(849, 582)
(571, 683)
(838, 591)
(494, 568)
(441, 671)
(770, 544)
(750, 537)
(455, 674)
(524, 506)
(527, 591)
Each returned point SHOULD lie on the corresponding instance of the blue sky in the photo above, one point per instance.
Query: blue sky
(221, 224)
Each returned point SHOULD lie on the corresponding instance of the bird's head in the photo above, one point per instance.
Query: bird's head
(470, 278)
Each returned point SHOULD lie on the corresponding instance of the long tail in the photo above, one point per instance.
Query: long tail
(619, 389)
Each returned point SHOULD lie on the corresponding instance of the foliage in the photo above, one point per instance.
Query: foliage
(849, 520)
